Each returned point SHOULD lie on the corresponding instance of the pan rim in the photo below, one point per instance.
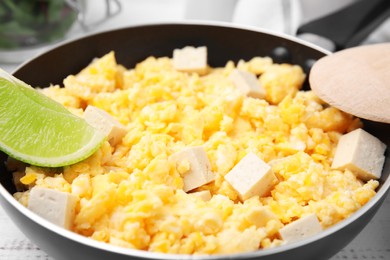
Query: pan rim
(185, 22)
(153, 255)
(85, 241)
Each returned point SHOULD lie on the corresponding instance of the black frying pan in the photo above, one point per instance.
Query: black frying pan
(133, 45)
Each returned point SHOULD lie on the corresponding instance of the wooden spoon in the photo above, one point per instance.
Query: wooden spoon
(356, 81)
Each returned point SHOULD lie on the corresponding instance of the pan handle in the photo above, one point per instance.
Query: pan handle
(348, 26)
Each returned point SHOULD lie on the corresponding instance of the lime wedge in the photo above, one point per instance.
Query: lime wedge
(37, 130)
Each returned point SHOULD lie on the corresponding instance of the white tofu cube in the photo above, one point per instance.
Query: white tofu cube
(251, 176)
(199, 172)
(190, 59)
(361, 153)
(55, 206)
(301, 228)
(205, 195)
(103, 121)
(247, 83)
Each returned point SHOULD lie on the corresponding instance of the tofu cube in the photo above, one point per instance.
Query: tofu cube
(301, 228)
(103, 121)
(205, 195)
(199, 171)
(55, 206)
(251, 176)
(247, 83)
(361, 153)
(190, 59)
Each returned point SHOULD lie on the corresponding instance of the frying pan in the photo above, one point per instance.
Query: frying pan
(134, 44)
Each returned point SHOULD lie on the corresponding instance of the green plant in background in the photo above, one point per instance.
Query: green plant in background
(26, 23)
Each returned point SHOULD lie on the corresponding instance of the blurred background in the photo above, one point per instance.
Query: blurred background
(28, 27)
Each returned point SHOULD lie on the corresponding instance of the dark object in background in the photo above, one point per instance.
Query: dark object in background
(28, 23)
(347, 27)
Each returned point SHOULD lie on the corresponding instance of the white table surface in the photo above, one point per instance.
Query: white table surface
(371, 243)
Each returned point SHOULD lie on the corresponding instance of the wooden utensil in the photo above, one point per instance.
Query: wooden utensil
(356, 81)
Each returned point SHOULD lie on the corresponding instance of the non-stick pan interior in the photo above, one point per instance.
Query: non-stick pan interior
(135, 44)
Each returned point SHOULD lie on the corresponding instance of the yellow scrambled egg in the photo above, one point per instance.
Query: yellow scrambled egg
(131, 195)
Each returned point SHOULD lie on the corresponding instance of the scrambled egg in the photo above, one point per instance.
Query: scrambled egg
(131, 195)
